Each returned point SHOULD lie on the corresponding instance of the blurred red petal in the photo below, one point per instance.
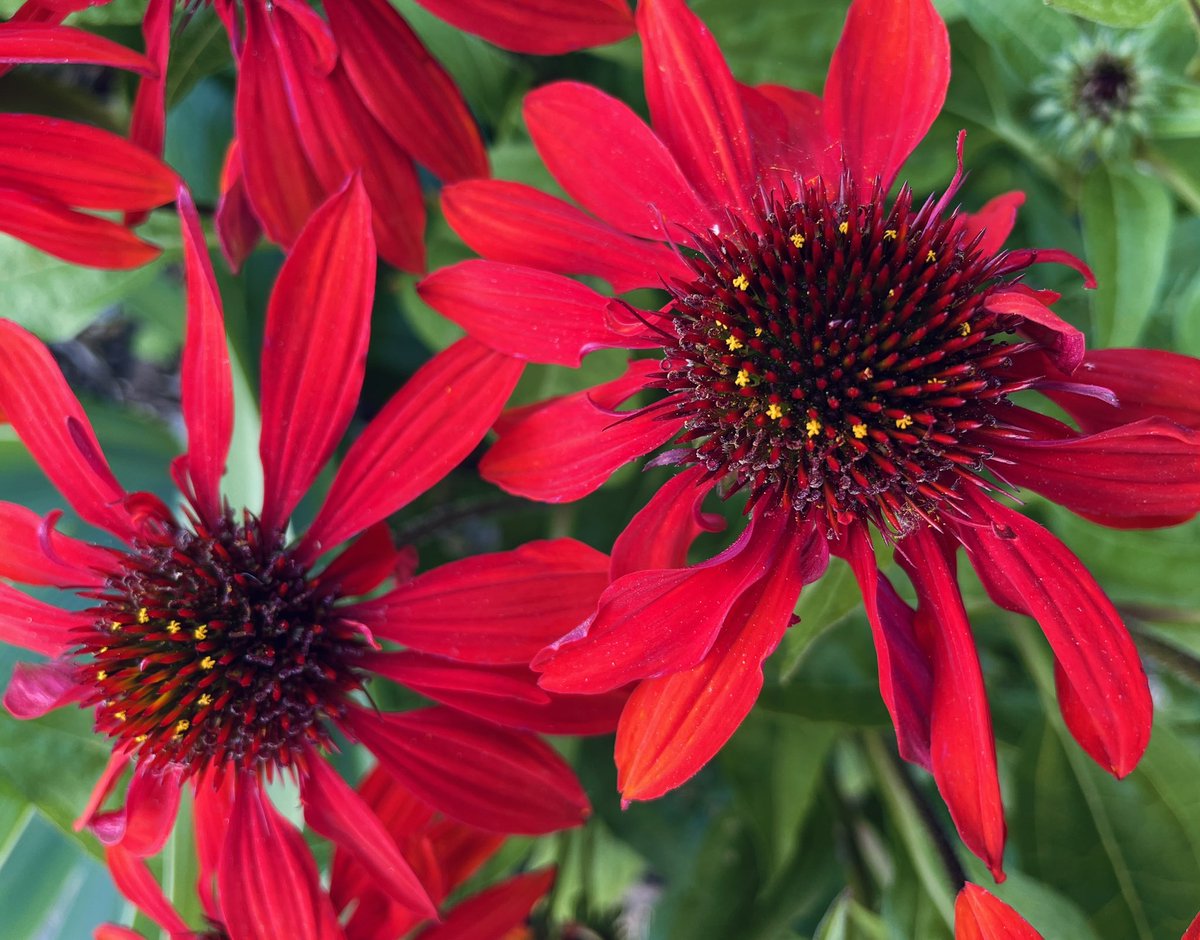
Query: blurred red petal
(38, 688)
(147, 815)
(538, 27)
(72, 236)
(237, 227)
(48, 42)
(494, 911)
(1192, 933)
(661, 533)
(33, 551)
(36, 626)
(148, 123)
(980, 915)
(134, 880)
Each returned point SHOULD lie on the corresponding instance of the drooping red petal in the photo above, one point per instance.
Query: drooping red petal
(145, 819)
(48, 42)
(994, 221)
(148, 124)
(962, 748)
(315, 347)
(980, 915)
(517, 224)
(52, 424)
(674, 725)
(73, 236)
(694, 103)
(36, 626)
(134, 880)
(568, 447)
(494, 911)
(474, 771)
(1027, 570)
(206, 380)
(663, 621)
(1064, 343)
(267, 878)
(117, 762)
(427, 428)
(407, 91)
(336, 811)
(538, 27)
(499, 608)
(36, 689)
(212, 812)
(81, 166)
(32, 551)
(898, 45)
(660, 535)
(237, 227)
(905, 670)
(629, 179)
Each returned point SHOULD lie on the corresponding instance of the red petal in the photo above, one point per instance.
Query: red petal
(32, 551)
(407, 91)
(994, 222)
(979, 915)
(115, 932)
(1193, 931)
(332, 808)
(962, 747)
(1027, 570)
(315, 348)
(141, 826)
(81, 166)
(660, 535)
(80, 239)
(206, 379)
(804, 148)
(212, 808)
(1063, 342)
(539, 27)
(637, 186)
(237, 227)
(495, 911)
(568, 447)
(1147, 382)
(517, 224)
(659, 622)
(370, 560)
(497, 608)
(427, 428)
(521, 311)
(133, 879)
(473, 771)
(148, 124)
(48, 42)
(35, 626)
(676, 724)
(267, 878)
(898, 45)
(117, 762)
(694, 103)
(36, 689)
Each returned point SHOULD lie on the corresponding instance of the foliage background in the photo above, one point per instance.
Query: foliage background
(807, 825)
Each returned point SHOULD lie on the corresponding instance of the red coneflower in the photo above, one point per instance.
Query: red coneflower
(217, 650)
(846, 360)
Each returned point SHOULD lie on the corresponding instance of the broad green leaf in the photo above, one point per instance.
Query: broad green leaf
(1024, 33)
(718, 896)
(822, 605)
(200, 49)
(1179, 116)
(1126, 232)
(1114, 12)
(198, 131)
(1052, 913)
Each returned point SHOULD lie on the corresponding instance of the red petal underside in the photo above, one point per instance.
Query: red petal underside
(1104, 696)
(336, 811)
(493, 609)
(517, 224)
(660, 535)
(80, 166)
(133, 879)
(143, 823)
(237, 227)
(886, 84)
(36, 689)
(522, 312)
(538, 27)
(315, 348)
(206, 379)
(905, 671)
(407, 91)
(994, 221)
(51, 423)
(1140, 475)
(32, 551)
(1063, 343)
(267, 879)
(474, 771)
(676, 724)
(427, 428)
(48, 42)
(1147, 382)
(73, 236)
(494, 911)
(655, 623)
(694, 103)
(568, 447)
(148, 124)
(629, 179)
(962, 747)
(979, 915)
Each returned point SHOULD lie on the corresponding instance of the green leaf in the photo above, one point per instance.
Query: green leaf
(200, 49)
(1180, 115)
(1126, 234)
(1114, 12)
(1024, 33)
(822, 605)
(198, 131)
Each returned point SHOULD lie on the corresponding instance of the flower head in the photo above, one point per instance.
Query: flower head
(849, 361)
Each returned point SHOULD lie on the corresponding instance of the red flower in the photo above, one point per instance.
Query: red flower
(979, 915)
(216, 650)
(848, 363)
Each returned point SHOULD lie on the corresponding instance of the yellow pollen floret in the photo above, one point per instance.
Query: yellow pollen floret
(868, 373)
(182, 725)
(758, 331)
(201, 631)
(891, 292)
(101, 675)
(813, 427)
(937, 381)
(741, 282)
(743, 378)
(204, 701)
(207, 662)
(173, 627)
(774, 411)
(141, 737)
(143, 615)
(904, 421)
(104, 649)
(931, 257)
(116, 627)
(889, 235)
(733, 343)
(965, 329)
(797, 240)
(860, 430)
(844, 227)
(120, 716)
